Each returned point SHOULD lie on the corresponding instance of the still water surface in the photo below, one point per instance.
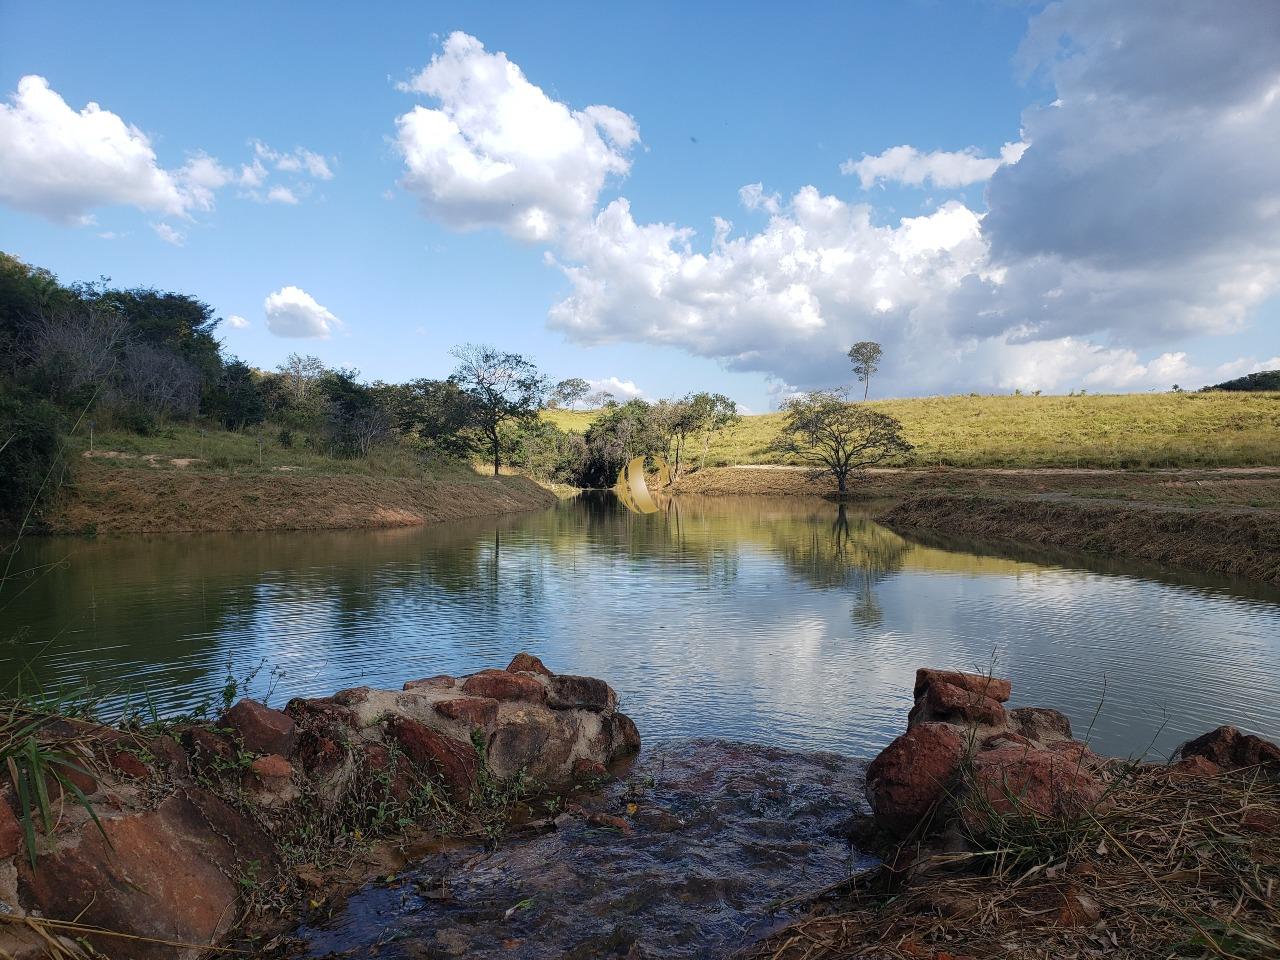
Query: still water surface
(785, 622)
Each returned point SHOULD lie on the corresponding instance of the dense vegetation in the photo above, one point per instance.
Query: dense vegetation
(144, 368)
(1263, 380)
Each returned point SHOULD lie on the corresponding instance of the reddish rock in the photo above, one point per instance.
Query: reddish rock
(1005, 738)
(527, 663)
(580, 693)
(1231, 749)
(455, 763)
(1040, 724)
(272, 767)
(1077, 908)
(949, 703)
(1031, 783)
(128, 764)
(476, 711)
(315, 712)
(500, 685)
(206, 746)
(261, 729)
(398, 773)
(318, 754)
(537, 742)
(1194, 768)
(10, 832)
(165, 874)
(352, 696)
(975, 683)
(439, 682)
(587, 769)
(912, 775)
(169, 755)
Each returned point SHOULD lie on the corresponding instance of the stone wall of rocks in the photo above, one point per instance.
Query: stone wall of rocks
(186, 816)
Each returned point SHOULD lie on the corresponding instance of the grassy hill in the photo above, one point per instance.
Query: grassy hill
(1124, 430)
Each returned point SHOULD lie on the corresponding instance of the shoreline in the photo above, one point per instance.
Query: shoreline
(1223, 521)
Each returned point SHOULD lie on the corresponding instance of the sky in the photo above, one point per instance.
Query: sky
(671, 197)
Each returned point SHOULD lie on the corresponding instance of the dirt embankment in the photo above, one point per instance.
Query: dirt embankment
(1224, 521)
(106, 500)
(1238, 541)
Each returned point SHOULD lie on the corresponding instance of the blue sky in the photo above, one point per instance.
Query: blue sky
(716, 97)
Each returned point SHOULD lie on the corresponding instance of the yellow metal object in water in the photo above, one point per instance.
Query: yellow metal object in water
(632, 487)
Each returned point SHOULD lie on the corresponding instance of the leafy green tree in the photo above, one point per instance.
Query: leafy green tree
(354, 421)
(837, 437)
(568, 392)
(1263, 380)
(712, 412)
(238, 401)
(620, 432)
(865, 356)
(504, 387)
(437, 414)
(31, 452)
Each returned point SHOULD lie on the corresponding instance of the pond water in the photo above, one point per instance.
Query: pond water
(784, 622)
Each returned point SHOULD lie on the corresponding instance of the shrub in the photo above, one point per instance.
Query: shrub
(32, 456)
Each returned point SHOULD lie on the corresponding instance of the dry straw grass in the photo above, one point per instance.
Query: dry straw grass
(1175, 867)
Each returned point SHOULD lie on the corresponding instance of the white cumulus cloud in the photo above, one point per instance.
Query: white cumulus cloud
(292, 312)
(945, 169)
(621, 389)
(497, 151)
(62, 163)
(237, 322)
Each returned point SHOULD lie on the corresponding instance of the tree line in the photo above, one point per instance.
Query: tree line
(143, 359)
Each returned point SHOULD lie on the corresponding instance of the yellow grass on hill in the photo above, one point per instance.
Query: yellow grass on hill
(1124, 430)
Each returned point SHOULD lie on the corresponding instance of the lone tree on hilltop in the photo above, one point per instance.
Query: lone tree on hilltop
(837, 437)
(568, 392)
(503, 386)
(865, 355)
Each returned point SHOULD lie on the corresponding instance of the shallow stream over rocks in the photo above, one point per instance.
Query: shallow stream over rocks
(719, 834)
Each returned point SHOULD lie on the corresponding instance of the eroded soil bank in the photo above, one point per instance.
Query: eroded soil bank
(1223, 521)
(103, 499)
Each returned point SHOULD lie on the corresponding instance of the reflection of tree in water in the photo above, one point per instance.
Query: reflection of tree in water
(850, 552)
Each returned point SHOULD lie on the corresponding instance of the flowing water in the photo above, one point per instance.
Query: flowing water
(783, 622)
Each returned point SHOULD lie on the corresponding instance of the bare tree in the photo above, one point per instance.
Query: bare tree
(300, 375)
(599, 399)
(157, 381)
(865, 355)
(503, 386)
(837, 437)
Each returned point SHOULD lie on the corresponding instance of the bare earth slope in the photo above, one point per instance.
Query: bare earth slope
(108, 500)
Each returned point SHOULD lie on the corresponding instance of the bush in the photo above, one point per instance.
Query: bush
(32, 460)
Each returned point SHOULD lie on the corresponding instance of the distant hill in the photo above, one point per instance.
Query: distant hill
(1263, 380)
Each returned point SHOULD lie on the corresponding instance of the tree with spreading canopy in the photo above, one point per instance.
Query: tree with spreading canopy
(568, 392)
(504, 387)
(837, 437)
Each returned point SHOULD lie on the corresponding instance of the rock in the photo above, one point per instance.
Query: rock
(1077, 909)
(949, 703)
(10, 831)
(1040, 724)
(912, 775)
(270, 780)
(474, 711)
(455, 763)
(976, 683)
(439, 682)
(1194, 768)
(579, 693)
(208, 748)
(1231, 749)
(168, 873)
(169, 755)
(586, 769)
(527, 663)
(1029, 783)
(624, 738)
(500, 685)
(261, 729)
(128, 764)
(539, 742)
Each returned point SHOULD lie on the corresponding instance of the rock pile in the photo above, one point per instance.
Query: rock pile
(966, 758)
(192, 817)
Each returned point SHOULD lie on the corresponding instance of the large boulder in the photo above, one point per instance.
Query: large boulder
(1028, 782)
(167, 874)
(456, 763)
(501, 685)
(1230, 749)
(913, 775)
(975, 683)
